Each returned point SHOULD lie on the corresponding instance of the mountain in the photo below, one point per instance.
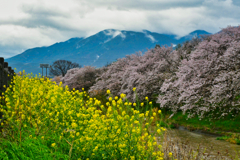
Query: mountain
(196, 33)
(96, 50)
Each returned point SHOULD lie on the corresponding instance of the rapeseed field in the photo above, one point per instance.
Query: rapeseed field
(43, 120)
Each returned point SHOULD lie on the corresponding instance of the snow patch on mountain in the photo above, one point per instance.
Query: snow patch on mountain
(96, 58)
(107, 40)
(151, 38)
(112, 33)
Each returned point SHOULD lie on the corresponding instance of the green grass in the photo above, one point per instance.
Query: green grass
(28, 149)
(228, 127)
(228, 124)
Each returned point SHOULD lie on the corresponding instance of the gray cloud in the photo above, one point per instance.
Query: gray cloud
(38, 22)
(44, 16)
(43, 11)
(222, 9)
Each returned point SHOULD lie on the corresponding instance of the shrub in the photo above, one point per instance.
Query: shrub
(79, 78)
(100, 95)
(57, 79)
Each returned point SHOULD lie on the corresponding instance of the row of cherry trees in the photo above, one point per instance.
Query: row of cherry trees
(201, 77)
(209, 79)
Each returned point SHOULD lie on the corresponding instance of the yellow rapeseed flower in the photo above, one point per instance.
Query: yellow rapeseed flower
(134, 104)
(163, 129)
(108, 92)
(147, 113)
(136, 122)
(123, 95)
(142, 104)
(53, 144)
(134, 89)
(74, 125)
(146, 98)
(159, 111)
(141, 115)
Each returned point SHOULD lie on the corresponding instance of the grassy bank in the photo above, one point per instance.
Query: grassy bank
(228, 127)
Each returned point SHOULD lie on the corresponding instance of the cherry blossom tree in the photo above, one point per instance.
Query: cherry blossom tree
(208, 80)
(79, 78)
(144, 72)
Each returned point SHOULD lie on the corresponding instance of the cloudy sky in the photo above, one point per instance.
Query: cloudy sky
(27, 24)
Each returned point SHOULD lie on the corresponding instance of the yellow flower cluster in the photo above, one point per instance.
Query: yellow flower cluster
(41, 109)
